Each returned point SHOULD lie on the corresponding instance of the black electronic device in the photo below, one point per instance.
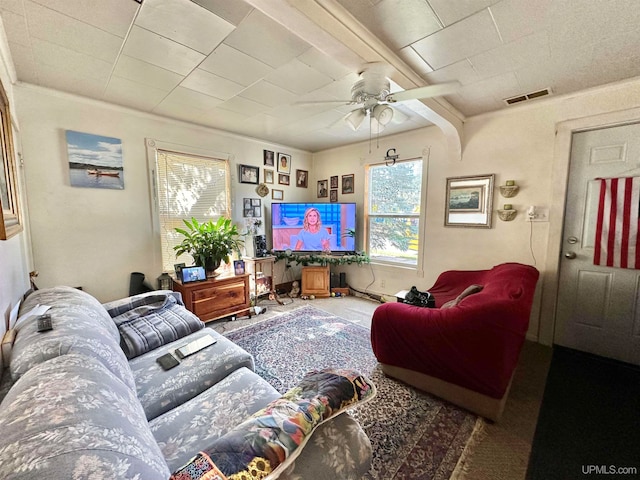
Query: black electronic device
(192, 274)
(343, 280)
(334, 280)
(168, 361)
(44, 323)
(195, 346)
(260, 245)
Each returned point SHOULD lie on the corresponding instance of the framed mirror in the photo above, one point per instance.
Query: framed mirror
(469, 201)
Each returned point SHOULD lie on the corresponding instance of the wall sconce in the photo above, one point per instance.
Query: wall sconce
(509, 189)
(507, 213)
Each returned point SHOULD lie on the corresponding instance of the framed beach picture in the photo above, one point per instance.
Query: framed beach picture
(249, 174)
(95, 161)
(469, 201)
(284, 163)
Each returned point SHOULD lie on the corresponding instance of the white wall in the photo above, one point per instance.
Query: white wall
(518, 143)
(95, 238)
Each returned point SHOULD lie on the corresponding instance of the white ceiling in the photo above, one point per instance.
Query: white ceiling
(242, 66)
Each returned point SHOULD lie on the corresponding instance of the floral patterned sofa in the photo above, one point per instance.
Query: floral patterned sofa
(73, 405)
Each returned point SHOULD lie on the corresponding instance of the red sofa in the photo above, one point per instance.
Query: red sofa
(467, 353)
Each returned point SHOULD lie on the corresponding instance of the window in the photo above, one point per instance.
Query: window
(9, 217)
(188, 186)
(393, 211)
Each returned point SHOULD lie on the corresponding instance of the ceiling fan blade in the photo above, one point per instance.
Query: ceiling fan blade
(320, 102)
(424, 92)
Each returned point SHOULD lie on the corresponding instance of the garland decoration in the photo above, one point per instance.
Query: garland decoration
(323, 259)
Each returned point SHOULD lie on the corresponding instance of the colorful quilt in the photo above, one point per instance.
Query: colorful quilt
(269, 441)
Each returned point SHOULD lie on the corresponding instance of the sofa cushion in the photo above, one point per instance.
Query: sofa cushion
(71, 417)
(150, 320)
(186, 429)
(159, 391)
(80, 325)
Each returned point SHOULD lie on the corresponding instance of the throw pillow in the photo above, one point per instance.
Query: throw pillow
(270, 440)
(471, 289)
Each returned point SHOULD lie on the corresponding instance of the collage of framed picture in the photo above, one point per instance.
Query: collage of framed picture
(329, 188)
(252, 207)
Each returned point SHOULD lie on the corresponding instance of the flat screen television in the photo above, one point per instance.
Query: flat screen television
(313, 227)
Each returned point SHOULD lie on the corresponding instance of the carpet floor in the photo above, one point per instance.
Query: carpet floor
(588, 423)
(414, 435)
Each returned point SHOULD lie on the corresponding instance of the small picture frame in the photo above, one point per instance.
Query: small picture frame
(269, 158)
(283, 179)
(347, 183)
(238, 267)
(277, 194)
(302, 178)
(323, 191)
(249, 174)
(284, 163)
(268, 176)
(334, 181)
(177, 267)
(251, 207)
(333, 195)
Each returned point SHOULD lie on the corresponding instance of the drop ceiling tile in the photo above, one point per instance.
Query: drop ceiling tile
(451, 12)
(74, 62)
(210, 84)
(113, 16)
(233, 12)
(145, 73)
(323, 63)
(533, 49)
(232, 64)
(519, 18)
(415, 61)
(26, 69)
(133, 94)
(466, 38)
(54, 27)
(71, 81)
(14, 6)
(461, 71)
(265, 40)
(243, 106)
(298, 77)
(190, 25)
(15, 27)
(190, 99)
(402, 22)
(162, 52)
(223, 119)
(268, 94)
(498, 87)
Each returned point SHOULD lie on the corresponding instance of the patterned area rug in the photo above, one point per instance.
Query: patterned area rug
(414, 435)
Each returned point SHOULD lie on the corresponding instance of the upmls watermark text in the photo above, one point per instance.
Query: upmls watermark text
(608, 470)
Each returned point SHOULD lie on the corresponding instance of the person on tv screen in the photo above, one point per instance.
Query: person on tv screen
(313, 236)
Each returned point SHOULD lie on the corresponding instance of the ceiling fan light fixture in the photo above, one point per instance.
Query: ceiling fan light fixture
(355, 118)
(383, 114)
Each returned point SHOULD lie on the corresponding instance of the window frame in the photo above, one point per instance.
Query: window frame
(421, 216)
(10, 223)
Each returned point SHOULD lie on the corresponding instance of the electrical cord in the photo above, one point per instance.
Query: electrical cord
(531, 242)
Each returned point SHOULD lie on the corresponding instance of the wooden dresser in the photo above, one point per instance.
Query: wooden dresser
(216, 297)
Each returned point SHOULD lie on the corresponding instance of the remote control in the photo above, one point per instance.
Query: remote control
(167, 361)
(44, 323)
(195, 346)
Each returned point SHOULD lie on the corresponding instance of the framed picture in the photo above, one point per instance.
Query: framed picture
(9, 214)
(268, 176)
(347, 183)
(469, 201)
(302, 178)
(95, 161)
(323, 191)
(256, 206)
(268, 158)
(284, 163)
(277, 194)
(333, 195)
(283, 179)
(238, 267)
(249, 174)
(334, 181)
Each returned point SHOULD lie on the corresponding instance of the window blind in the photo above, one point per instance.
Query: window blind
(188, 186)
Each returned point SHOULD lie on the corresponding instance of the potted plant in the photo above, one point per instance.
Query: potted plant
(209, 243)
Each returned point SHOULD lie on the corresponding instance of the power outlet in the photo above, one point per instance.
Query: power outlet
(541, 215)
(382, 283)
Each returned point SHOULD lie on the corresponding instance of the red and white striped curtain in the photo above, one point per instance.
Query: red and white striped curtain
(617, 241)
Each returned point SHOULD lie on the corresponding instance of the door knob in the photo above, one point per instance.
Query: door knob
(570, 255)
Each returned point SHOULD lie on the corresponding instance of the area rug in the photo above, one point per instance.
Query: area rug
(414, 435)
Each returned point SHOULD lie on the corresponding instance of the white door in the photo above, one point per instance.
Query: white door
(598, 307)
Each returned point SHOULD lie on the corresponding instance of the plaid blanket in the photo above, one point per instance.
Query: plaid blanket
(150, 320)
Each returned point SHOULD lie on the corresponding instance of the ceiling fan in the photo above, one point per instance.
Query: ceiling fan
(373, 93)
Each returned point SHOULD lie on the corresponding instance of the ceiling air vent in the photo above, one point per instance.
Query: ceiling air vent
(527, 96)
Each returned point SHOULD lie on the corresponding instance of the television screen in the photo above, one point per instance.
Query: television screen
(313, 227)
